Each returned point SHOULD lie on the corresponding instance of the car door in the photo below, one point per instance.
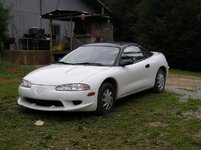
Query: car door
(135, 77)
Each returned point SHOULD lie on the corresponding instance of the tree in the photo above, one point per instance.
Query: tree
(170, 26)
(4, 21)
(174, 27)
(125, 17)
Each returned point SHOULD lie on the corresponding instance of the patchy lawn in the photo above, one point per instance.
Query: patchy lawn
(141, 121)
(186, 85)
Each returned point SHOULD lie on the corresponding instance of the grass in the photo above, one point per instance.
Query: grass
(188, 89)
(187, 73)
(141, 121)
(9, 70)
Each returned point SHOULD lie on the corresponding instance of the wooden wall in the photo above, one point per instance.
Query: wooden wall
(24, 57)
(25, 14)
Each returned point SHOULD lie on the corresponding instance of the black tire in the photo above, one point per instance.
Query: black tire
(106, 99)
(160, 81)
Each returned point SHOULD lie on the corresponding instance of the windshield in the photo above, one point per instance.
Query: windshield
(92, 55)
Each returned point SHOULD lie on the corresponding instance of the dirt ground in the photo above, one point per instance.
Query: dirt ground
(182, 81)
(186, 86)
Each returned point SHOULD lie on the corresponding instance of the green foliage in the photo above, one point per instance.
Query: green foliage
(4, 21)
(1, 45)
(172, 27)
(125, 18)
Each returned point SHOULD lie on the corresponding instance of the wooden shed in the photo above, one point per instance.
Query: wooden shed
(51, 28)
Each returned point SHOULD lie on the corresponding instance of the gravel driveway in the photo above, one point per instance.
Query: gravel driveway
(186, 86)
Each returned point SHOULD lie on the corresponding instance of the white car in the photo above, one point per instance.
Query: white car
(92, 77)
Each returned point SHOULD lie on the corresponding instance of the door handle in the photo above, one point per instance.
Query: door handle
(147, 66)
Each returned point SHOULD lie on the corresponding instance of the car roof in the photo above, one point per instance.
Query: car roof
(113, 44)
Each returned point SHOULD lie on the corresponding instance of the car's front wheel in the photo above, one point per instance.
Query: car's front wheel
(160, 81)
(106, 99)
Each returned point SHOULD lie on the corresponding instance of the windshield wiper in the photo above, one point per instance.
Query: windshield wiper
(84, 63)
(63, 62)
(89, 63)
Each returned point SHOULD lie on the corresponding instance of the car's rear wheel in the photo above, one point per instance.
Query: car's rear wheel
(160, 81)
(106, 99)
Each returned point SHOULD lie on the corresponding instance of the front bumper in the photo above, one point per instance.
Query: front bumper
(46, 98)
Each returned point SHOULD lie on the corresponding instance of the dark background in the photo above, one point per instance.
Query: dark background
(169, 26)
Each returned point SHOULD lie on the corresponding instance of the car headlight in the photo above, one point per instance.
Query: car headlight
(73, 87)
(25, 84)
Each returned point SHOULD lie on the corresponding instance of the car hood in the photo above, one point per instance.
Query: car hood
(59, 74)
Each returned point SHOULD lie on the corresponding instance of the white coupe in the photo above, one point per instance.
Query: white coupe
(92, 77)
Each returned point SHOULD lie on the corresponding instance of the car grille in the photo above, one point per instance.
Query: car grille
(46, 103)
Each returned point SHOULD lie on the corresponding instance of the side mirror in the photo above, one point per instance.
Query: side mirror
(125, 62)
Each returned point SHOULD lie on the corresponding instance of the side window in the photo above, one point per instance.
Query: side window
(146, 52)
(134, 53)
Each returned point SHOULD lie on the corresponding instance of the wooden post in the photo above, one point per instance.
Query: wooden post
(51, 42)
(71, 34)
